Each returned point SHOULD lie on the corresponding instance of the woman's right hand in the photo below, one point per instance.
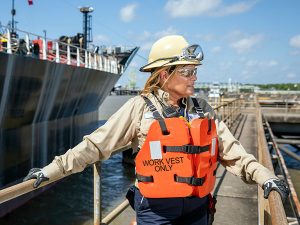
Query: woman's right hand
(38, 174)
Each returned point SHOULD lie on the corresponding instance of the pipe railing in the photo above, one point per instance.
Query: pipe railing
(58, 51)
(231, 110)
(271, 211)
(294, 201)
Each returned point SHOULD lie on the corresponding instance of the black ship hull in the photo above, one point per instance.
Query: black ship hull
(45, 109)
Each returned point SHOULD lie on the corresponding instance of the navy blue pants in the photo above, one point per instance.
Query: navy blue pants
(172, 211)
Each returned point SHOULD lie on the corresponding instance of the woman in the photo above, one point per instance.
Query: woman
(178, 141)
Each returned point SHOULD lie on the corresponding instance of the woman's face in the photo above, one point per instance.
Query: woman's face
(181, 84)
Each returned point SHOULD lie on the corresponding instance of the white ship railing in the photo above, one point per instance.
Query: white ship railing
(60, 52)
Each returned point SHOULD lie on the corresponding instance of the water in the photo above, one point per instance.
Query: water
(70, 202)
(294, 167)
(289, 161)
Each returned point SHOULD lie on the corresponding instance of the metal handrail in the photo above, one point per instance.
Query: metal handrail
(57, 53)
(271, 211)
(229, 111)
(20, 189)
(27, 186)
(117, 211)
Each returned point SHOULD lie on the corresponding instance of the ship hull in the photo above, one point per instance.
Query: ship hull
(45, 109)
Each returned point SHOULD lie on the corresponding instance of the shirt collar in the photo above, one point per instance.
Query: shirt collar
(164, 97)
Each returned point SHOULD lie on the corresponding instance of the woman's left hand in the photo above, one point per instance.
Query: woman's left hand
(277, 185)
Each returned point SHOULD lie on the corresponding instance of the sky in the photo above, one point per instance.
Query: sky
(253, 41)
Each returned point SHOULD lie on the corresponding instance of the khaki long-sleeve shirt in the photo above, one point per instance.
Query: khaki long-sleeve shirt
(130, 124)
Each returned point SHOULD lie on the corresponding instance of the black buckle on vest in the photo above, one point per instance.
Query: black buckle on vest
(197, 181)
(189, 149)
(194, 181)
(142, 178)
(196, 149)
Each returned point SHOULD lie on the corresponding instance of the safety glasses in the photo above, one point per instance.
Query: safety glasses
(187, 72)
(192, 52)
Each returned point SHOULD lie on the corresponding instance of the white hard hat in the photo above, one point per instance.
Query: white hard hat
(172, 50)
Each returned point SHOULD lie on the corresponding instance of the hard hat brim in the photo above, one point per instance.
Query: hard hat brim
(161, 63)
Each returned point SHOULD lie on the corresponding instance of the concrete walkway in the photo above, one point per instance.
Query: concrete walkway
(237, 201)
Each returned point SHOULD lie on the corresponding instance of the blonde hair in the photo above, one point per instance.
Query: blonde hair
(153, 83)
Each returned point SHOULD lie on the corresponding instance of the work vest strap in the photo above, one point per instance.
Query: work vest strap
(198, 109)
(194, 181)
(152, 108)
(157, 116)
(142, 178)
(190, 149)
(215, 172)
(209, 125)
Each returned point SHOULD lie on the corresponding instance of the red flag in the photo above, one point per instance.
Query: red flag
(30, 2)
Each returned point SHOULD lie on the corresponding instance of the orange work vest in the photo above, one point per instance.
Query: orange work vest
(180, 163)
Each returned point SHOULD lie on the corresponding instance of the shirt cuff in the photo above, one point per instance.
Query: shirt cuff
(53, 172)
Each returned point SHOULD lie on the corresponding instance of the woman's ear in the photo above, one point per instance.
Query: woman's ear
(163, 75)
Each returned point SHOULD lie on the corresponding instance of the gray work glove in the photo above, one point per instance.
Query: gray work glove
(277, 185)
(38, 174)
